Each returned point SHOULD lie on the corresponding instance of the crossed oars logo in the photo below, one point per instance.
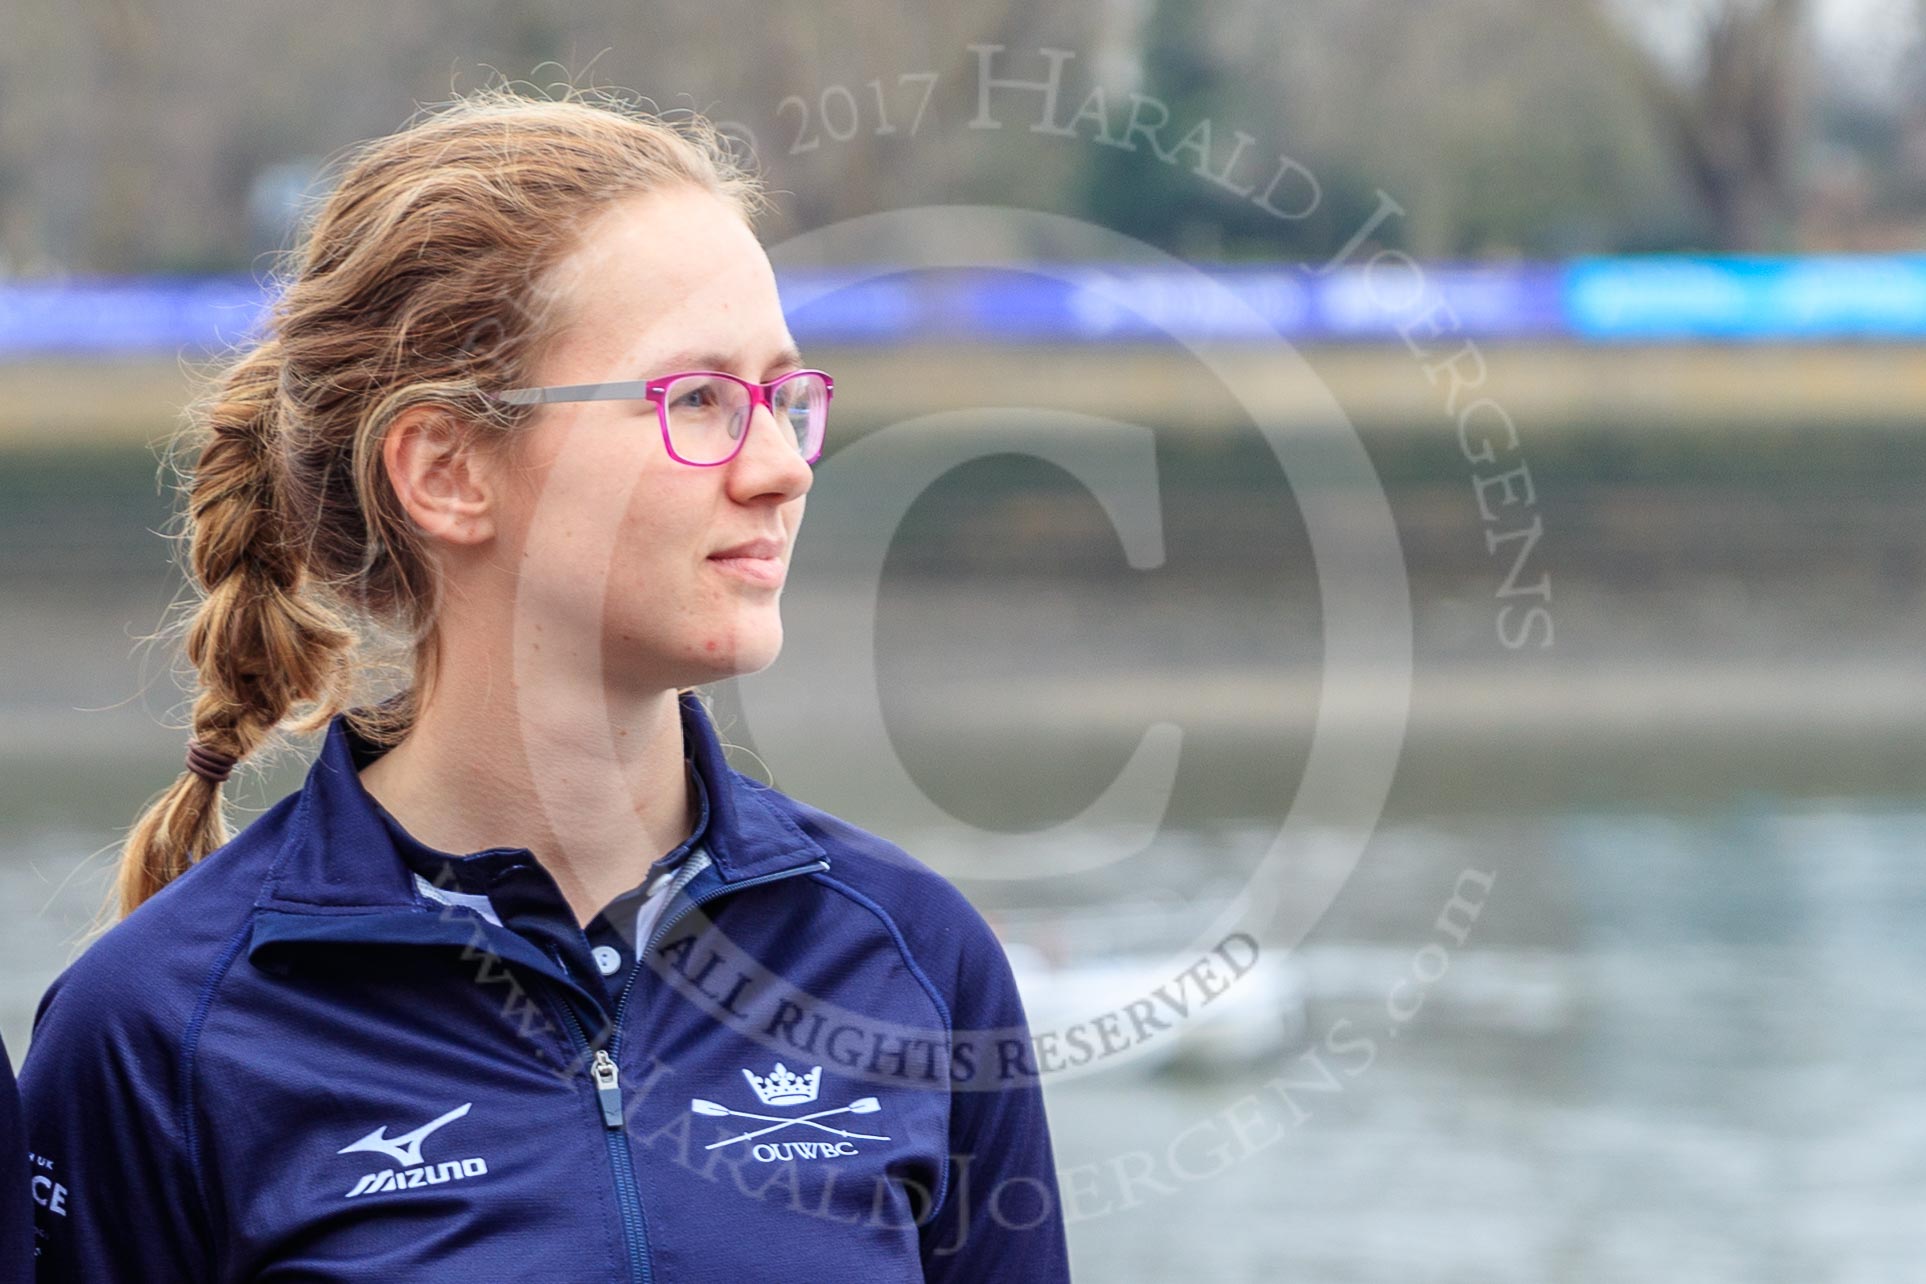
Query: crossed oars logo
(860, 1106)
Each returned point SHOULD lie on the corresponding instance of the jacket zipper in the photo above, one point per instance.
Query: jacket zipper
(608, 1087)
(608, 1091)
(606, 1076)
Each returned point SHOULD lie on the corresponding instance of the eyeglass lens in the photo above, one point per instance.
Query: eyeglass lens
(707, 416)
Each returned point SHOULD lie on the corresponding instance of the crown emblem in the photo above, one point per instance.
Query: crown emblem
(783, 1086)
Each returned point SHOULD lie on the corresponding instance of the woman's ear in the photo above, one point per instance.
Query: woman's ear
(441, 475)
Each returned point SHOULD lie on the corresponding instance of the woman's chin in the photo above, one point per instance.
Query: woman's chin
(749, 650)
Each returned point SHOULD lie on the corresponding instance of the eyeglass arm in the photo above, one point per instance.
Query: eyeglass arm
(626, 390)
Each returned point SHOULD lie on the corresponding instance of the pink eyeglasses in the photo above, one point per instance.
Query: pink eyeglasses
(705, 413)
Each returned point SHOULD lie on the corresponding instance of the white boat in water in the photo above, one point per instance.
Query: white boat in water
(1220, 1010)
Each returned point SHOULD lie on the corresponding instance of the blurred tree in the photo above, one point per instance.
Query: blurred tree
(1491, 125)
(1201, 74)
(1726, 80)
(138, 138)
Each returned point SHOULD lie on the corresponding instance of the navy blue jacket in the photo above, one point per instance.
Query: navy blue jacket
(328, 1052)
(16, 1216)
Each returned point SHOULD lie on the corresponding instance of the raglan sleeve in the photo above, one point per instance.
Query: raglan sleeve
(1001, 1217)
(115, 1194)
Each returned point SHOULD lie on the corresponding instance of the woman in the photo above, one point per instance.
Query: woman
(524, 983)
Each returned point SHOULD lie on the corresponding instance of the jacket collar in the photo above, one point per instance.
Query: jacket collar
(343, 857)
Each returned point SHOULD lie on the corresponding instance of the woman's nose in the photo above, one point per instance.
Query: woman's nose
(770, 453)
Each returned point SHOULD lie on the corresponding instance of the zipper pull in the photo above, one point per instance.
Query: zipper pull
(607, 1087)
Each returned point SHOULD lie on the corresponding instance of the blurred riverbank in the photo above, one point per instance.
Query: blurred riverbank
(1548, 389)
(1732, 604)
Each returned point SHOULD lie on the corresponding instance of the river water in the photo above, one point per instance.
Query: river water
(1669, 1047)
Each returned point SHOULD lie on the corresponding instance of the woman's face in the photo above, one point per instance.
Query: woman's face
(614, 542)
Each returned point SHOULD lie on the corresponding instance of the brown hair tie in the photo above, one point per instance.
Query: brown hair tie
(209, 764)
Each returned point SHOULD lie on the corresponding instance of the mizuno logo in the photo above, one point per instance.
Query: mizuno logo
(414, 1178)
(406, 1150)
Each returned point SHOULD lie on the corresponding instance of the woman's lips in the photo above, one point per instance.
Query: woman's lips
(765, 571)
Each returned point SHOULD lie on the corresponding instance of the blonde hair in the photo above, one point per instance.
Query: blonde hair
(417, 282)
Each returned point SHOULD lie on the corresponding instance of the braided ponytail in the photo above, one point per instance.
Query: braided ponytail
(259, 644)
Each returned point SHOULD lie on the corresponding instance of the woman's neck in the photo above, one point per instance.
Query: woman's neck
(596, 792)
